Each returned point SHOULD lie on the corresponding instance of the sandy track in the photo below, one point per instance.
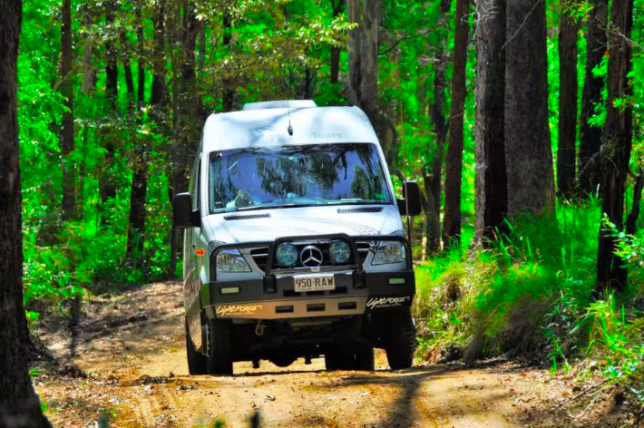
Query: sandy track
(132, 348)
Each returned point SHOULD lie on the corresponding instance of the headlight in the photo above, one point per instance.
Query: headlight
(286, 255)
(390, 252)
(340, 252)
(231, 261)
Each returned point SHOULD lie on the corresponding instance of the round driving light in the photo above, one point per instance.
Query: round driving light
(340, 252)
(286, 255)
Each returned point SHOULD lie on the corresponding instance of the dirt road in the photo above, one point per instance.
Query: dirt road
(130, 349)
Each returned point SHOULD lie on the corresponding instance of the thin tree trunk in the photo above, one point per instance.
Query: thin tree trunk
(528, 152)
(228, 92)
(19, 405)
(437, 113)
(568, 87)
(617, 144)
(491, 177)
(67, 129)
(337, 6)
(159, 88)
(129, 81)
(140, 60)
(107, 180)
(590, 137)
(454, 160)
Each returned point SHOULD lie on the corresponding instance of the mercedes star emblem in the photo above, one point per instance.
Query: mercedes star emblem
(311, 256)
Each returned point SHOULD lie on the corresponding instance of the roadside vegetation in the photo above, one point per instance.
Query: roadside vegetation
(530, 295)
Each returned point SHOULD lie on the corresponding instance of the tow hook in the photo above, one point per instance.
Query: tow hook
(259, 329)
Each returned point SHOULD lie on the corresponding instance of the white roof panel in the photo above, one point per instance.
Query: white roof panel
(269, 127)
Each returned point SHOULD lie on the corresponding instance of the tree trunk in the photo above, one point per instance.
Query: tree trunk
(590, 137)
(617, 144)
(454, 161)
(19, 405)
(491, 177)
(107, 179)
(228, 91)
(141, 62)
(159, 89)
(528, 152)
(337, 6)
(111, 69)
(363, 67)
(437, 113)
(67, 129)
(566, 159)
(129, 81)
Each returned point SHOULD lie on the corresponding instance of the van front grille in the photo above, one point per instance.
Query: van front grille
(260, 257)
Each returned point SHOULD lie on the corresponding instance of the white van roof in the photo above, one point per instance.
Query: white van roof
(269, 127)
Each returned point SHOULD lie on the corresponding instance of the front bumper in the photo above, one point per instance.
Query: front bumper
(272, 296)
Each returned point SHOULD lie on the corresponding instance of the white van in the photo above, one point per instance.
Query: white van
(294, 243)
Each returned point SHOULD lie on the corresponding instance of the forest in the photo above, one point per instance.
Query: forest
(522, 121)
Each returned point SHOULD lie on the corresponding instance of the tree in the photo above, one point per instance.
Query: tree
(616, 145)
(228, 92)
(568, 87)
(589, 135)
(67, 129)
(363, 68)
(337, 7)
(528, 153)
(491, 177)
(433, 172)
(19, 405)
(454, 160)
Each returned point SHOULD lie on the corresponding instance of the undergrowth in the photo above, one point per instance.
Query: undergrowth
(530, 294)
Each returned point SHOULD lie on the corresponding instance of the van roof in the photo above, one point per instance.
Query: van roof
(269, 127)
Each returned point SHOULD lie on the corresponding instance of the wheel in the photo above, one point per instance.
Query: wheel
(400, 340)
(220, 361)
(364, 358)
(197, 362)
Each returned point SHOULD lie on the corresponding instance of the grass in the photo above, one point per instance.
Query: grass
(530, 294)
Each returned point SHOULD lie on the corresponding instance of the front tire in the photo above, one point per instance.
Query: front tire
(197, 362)
(401, 339)
(220, 361)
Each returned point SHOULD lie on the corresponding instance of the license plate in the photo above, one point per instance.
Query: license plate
(304, 283)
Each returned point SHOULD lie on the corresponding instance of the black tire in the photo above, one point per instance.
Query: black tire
(400, 339)
(197, 362)
(364, 357)
(220, 361)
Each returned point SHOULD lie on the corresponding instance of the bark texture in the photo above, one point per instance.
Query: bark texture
(617, 144)
(67, 129)
(590, 137)
(568, 87)
(19, 405)
(528, 152)
(454, 160)
(491, 177)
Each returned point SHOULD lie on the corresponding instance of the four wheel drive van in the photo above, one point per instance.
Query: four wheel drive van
(294, 242)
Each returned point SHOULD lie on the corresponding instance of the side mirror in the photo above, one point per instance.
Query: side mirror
(411, 204)
(182, 214)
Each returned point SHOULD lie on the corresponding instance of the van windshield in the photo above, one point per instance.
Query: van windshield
(285, 176)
